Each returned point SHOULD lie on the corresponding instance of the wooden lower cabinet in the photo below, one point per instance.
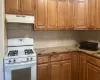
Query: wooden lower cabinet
(61, 70)
(93, 72)
(43, 71)
(75, 66)
(82, 66)
(57, 68)
(78, 66)
(55, 71)
(66, 70)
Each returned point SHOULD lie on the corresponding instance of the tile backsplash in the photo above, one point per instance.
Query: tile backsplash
(42, 39)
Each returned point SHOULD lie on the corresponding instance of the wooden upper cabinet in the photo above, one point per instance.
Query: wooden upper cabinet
(80, 14)
(93, 72)
(66, 70)
(27, 7)
(24, 7)
(92, 13)
(55, 71)
(70, 15)
(13, 6)
(40, 14)
(52, 14)
(98, 14)
(62, 13)
(43, 72)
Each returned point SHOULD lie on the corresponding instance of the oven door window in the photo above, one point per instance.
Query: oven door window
(21, 74)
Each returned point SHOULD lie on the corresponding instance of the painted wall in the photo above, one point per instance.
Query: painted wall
(90, 36)
(3, 38)
(42, 38)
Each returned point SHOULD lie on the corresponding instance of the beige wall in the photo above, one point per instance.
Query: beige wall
(42, 38)
(90, 36)
(3, 46)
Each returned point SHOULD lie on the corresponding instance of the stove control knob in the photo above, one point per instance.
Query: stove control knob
(9, 61)
(31, 58)
(27, 59)
(14, 60)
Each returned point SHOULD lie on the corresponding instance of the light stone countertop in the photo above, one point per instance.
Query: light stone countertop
(56, 50)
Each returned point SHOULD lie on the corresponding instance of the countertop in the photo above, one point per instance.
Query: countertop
(57, 50)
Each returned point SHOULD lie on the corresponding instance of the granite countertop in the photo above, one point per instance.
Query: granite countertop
(56, 50)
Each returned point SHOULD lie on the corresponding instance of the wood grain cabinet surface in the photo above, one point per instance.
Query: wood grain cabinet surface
(55, 71)
(23, 7)
(80, 14)
(92, 13)
(82, 66)
(93, 72)
(57, 68)
(98, 14)
(41, 14)
(61, 70)
(76, 66)
(58, 14)
(13, 6)
(66, 71)
(43, 72)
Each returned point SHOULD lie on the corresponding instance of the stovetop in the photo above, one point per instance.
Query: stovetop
(20, 52)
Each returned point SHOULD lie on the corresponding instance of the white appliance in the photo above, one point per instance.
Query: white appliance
(20, 62)
(10, 18)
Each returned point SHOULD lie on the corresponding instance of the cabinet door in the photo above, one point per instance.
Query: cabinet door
(52, 14)
(55, 71)
(40, 20)
(70, 15)
(43, 72)
(98, 14)
(92, 13)
(82, 66)
(62, 14)
(80, 14)
(27, 7)
(93, 72)
(13, 6)
(66, 70)
(75, 66)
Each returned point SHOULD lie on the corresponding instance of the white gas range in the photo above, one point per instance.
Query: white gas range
(20, 60)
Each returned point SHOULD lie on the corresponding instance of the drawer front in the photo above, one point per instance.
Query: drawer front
(93, 60)
(43, 59)
(65, 56)
(55, 58)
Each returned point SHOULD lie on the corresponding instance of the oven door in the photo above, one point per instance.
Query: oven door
(21, 71)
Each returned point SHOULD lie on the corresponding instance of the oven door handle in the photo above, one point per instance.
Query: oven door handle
(21, 64)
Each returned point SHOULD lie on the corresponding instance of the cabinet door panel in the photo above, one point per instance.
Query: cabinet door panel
(75, 66)
(55, 71)
(80, 14)
(93, 72)
(27, 7)
(82, 66)
(12, 6)
(70, 15)
(66, 70)
(52, 13)
(98, 14)
(62, 12)
(92, 13)
(40, 14)
(43, 72)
